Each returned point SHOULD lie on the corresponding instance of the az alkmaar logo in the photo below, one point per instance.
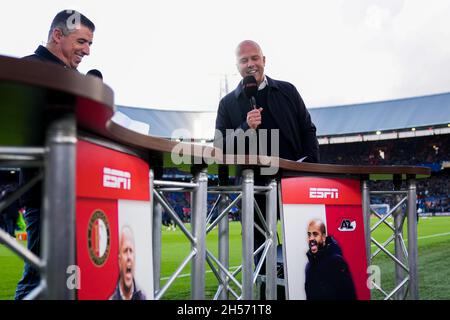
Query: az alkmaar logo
(347, 225)
(323, 193)
(117, 179)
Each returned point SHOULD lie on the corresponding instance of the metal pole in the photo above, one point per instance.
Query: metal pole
(198, 222)
(224, 233)
(398, 237)
(58, 234)
(366, 214)
(247, 217)
(271, 259)
(224, 250)
(413, 256)
(157, 222)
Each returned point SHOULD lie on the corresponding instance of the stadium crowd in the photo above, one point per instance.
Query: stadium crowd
(432, 151)
(426, 150)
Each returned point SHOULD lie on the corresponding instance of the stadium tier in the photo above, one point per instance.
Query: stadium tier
(410, 131)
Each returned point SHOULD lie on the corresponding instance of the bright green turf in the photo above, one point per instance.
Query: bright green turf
(10, 273)
(434, 261)
(434, 258)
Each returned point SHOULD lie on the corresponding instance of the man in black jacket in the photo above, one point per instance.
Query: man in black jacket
(279, 107)
(327, 274)
(69, 40)
(279, 111)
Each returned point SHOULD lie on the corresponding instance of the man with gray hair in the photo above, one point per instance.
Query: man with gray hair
(126, 288)
(69, 40)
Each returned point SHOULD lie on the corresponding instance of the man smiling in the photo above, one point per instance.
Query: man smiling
(69, 40)
(279, 114)
(327, 274)
(279, 107)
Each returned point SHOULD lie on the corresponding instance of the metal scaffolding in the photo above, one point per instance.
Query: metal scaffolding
(57, 160)
(404, 257)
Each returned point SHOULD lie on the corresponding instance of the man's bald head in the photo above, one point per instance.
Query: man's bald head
(250, 60)
(245, 44)
(319, 223)
(317, 234)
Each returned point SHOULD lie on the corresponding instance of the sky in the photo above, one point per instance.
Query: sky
(176, 54)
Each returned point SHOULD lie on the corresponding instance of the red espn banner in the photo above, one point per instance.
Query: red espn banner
(337, 204)
(113, 203)
(321, 191)
(109, 174)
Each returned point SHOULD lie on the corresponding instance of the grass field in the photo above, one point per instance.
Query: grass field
(434, 261)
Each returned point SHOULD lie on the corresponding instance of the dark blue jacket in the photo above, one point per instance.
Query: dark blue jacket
(289, 112)
(32, 199)
(327, 274)
(44, 55)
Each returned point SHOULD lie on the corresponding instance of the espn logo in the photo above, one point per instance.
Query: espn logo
(117, 179)
(323, 193)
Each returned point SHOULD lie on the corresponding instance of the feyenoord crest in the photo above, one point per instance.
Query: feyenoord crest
(99, 234)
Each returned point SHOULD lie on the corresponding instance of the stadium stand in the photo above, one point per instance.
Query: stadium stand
(433, 194)
(408, 131)
(430, 151)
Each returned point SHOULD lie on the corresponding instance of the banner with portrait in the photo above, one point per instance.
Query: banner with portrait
(323, 239)
(113, 224)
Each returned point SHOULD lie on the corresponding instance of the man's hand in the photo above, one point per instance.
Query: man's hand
(254, 118)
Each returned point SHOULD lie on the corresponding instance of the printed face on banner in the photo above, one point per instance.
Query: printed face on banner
(114, 229)
(316, 236)
(323, 238)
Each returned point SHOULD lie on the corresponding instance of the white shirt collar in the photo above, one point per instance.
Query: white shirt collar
(263, 84)
(123, 295)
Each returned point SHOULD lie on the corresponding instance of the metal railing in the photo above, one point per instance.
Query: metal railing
(58, 240)
(196, 236)
(265, 253)
(405, 258)
(57, 159)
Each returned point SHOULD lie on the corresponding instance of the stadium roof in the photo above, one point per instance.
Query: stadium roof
(166, 123)
(400, 114)
(416, 112)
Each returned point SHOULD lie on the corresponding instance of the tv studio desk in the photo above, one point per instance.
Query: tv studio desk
(60, 121)
(45, 111)
(209, 160)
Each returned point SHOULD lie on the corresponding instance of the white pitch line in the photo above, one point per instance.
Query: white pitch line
(235, 267)
(424, 237)
(188, 274)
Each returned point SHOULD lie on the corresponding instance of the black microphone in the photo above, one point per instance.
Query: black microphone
(250, 89)
(95, 73)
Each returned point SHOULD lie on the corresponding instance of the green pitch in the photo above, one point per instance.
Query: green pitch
(434, 258)
(434, 261)
(11, 268)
